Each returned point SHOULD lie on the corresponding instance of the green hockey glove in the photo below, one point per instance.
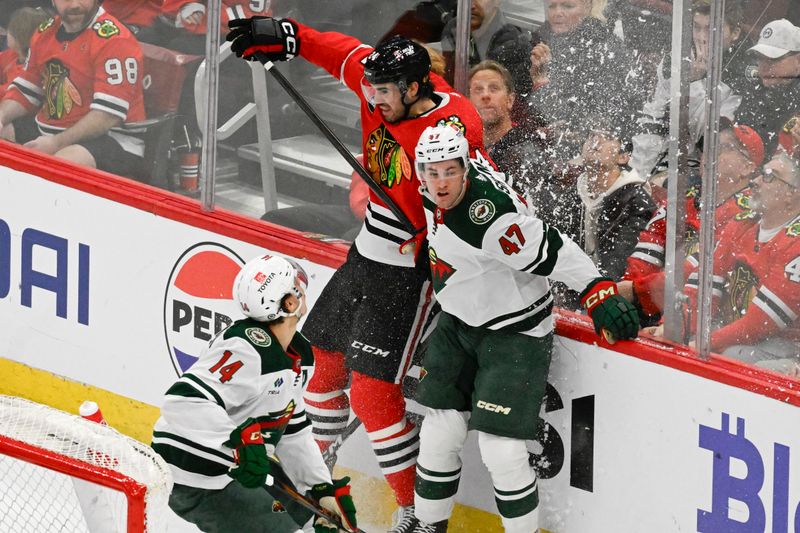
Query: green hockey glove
(335, 498)
(252, 463)
(274, 39)
(614, 317)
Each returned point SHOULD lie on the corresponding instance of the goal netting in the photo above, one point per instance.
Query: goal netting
(60, 472)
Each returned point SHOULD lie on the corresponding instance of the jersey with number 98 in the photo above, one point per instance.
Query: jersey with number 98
(68, 75)
(491, 259)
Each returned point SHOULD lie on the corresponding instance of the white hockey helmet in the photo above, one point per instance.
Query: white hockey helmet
(262, 284)
(441, 143)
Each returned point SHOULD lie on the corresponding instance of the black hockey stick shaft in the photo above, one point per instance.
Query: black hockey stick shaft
(337, 144)
(329, 455)
(284, 485)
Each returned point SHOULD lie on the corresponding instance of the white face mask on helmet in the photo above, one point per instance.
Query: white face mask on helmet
(264, 282)
(440, 143)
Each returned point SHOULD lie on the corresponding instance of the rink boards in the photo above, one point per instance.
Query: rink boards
(110, 289)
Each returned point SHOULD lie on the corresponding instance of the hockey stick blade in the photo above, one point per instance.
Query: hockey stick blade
(282, 483)
(337, 144)
(329, 455)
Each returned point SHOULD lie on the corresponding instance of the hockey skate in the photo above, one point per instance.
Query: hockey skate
(436, 527)
(403, 520)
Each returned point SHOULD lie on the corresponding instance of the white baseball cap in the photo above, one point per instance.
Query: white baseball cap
(777, 39)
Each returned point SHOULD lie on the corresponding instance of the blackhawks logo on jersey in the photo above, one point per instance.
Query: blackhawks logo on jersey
(60, 93)
(740, 288)
(794, 228)
(46, 24)
(105, 28)
(453, 120)
(441, 270)
(386, 160)
(743, 202)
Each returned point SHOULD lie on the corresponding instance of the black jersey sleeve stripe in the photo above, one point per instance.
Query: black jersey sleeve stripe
(189, 462)
(386, 220)
(381, 233)
(199, 447)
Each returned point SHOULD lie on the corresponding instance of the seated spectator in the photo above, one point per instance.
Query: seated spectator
(135, 14)
(651, 144)
(646, 25)
(21, 27)
(616, 201)
(492, 37)
(756, 292)
(741, 153)
(517, 152)
(8, 7)
(83, 77)
(581, 69)
(777, 98)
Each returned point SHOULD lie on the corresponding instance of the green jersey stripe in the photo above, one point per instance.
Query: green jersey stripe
(554, 244)
(189, 462)
(181, 388)
(534, 319)
(205, 387)
(433, 473)
(514, 492)
(191, 444)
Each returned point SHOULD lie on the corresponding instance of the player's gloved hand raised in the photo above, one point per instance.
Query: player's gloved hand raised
(416, 245)
(252, 463)
(272, 39)
(614, 317)
(335, 497)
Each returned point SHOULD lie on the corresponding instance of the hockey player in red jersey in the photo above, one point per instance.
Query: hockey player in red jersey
(740, 156)
(84, 78)
(368, 319)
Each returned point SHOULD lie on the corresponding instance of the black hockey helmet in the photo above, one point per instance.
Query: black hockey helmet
(401, 61)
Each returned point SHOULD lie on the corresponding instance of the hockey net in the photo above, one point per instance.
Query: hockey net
(59, 472)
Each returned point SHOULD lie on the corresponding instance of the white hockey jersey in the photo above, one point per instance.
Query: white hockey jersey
(491, 259)
(243, 373)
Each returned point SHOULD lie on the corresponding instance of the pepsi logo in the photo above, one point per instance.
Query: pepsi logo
(198, 301)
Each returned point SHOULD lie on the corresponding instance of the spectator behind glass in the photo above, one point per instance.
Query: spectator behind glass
(83, 77)
(492, 37)
(21, 27)
(777, 97)
(741, 153)
(651, 144)
(581, 69)
(517, 151)
(8, 7)
(756, 296)
(135, 14)
(616, 201)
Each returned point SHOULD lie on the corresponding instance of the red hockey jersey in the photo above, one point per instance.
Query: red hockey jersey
(68, 75)
(388, 148)
(9, 69)
(140, 13)
(756, 285)
(231, 9)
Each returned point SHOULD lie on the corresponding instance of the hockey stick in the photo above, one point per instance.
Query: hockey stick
(329, 455)
(374, 186)
(284, 485)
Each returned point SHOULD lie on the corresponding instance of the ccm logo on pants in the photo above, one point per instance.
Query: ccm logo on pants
(493, 407)
(370, 349)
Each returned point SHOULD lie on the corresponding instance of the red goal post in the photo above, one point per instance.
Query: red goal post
(62, 472)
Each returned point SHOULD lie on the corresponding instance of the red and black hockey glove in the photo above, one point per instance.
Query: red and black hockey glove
(335, 497)
(272, 39)
(614, 317)
(252, 464)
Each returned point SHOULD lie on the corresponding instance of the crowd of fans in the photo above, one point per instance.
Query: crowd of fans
(576, 114)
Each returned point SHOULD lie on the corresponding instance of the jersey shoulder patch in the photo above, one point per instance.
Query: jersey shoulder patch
(793, 228)
(46, 24)
(257, 335)
(106, 28)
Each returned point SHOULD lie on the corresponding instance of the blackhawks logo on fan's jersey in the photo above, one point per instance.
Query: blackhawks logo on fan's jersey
(743, 202)
(740, 288)
(105, 28)
(441, 270)
(386, 159)
(60, 93)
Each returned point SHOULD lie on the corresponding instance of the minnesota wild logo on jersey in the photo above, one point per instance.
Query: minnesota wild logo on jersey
(441, 270)
(60, 92)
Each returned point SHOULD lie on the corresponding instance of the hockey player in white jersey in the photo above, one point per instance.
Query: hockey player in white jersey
(486, 364)
(241, 404)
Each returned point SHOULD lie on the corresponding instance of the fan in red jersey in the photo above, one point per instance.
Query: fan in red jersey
(84, 81)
